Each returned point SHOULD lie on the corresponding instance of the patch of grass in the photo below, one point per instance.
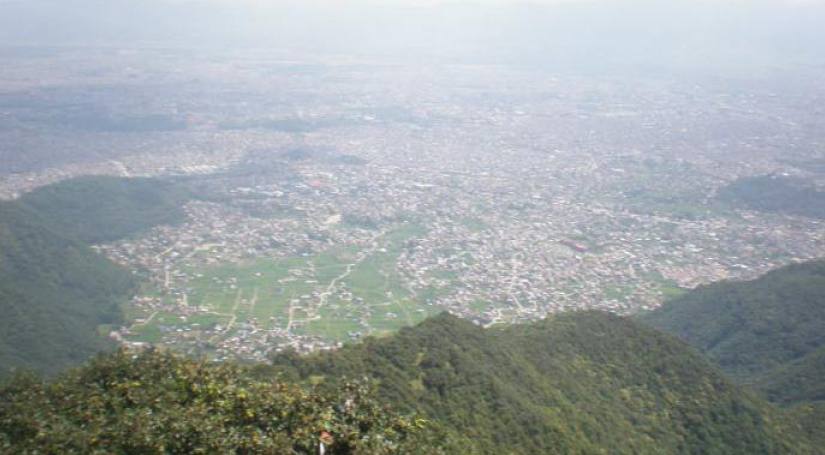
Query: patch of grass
(672, 291)
(620, 293)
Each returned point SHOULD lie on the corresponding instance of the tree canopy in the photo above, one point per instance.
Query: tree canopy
(154, 402)
(575, 383)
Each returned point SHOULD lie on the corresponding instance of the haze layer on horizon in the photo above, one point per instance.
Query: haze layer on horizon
(691, 35)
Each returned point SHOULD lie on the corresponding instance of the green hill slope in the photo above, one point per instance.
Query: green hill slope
(769, 332)
(801, 380)
(576, 383)
(811, 420)
(54, 292)
(98, 209)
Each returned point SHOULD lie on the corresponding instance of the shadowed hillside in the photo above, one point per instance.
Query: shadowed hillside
(54, 292)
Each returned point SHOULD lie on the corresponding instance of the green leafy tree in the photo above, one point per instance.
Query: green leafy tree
(155, 402)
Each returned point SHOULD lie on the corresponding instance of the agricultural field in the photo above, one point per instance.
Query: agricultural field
(335, 296)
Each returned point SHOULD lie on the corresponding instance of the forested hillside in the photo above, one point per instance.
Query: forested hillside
(575, 383)
(98, 209)
(54, 292)
(769, 333)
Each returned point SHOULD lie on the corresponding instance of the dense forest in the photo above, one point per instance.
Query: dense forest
(54, 292)
(574, 383)
(779, 194)
(101, 209)
(158, 403)
(768, 333)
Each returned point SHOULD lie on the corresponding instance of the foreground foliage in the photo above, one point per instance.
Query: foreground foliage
(158, 403)
(576, 383)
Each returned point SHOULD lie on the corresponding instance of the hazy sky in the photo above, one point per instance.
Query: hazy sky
(581, 33)
(428, 3)
(499, 2)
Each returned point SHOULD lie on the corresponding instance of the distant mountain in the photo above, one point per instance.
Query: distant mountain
(575, 383)
(98, 209)
(768, 333)
(54, 292)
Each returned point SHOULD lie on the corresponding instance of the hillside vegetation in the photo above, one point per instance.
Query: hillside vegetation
(99, 209)
(769, 332)
(54, 292)
(575, 383)
(157, 403)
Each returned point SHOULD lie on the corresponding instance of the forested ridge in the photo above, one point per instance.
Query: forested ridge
(97, 209)
(776, 193)
(768, 333)
(573, 384)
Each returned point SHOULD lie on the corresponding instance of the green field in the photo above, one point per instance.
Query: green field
(669, 288)
(334, 295)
